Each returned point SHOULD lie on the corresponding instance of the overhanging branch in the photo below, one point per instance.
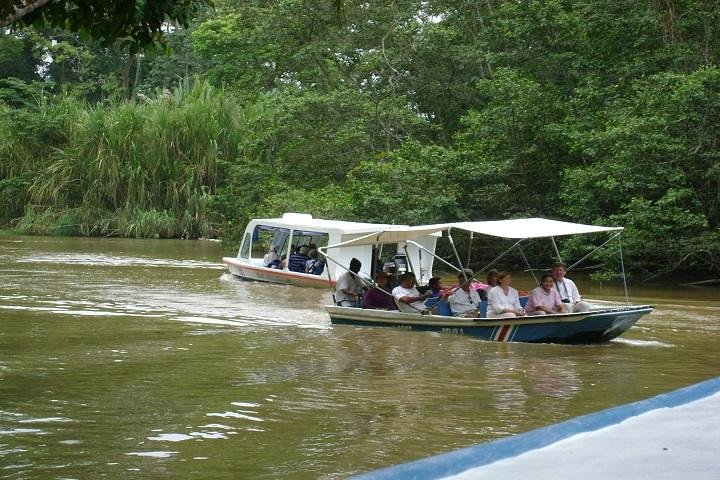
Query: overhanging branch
(27, 6)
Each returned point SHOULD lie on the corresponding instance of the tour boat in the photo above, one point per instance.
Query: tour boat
(267, 240)
(603, 322)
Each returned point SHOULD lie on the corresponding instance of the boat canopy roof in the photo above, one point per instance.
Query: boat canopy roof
(306, 222)
(519, 228)
(396, 234)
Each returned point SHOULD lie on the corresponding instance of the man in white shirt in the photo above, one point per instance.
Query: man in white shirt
(568, 291)
(408, 299)
(349, 288)
(465, 302)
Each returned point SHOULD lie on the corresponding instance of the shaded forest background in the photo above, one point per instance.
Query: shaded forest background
(407, 112)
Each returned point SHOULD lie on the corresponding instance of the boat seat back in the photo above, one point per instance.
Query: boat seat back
(444, 309)
(483, 308)
(431, 302)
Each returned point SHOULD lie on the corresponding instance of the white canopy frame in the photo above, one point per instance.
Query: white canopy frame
(521, 230)
(539, 228)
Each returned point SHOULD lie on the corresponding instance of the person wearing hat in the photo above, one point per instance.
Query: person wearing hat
(464, 301)
(297, 261)
(379, 296)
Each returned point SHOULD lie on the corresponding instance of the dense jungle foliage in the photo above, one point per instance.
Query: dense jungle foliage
(408, 112)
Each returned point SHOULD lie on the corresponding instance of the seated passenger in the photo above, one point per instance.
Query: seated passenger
(503, 300)
(271, 257)
(464, 301)
(310, 264)
(435, 287)
(297, 261)
(319, 267)
(544, 300)
(349, 287)
(379, 297)
(408, 298)
(491, 282)
(568, 291)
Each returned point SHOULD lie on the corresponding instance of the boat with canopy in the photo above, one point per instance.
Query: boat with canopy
(601, 323)
(292, 237)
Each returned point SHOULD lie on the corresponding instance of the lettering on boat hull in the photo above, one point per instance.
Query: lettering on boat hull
(459, 331)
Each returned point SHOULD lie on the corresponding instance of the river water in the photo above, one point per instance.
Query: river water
(145, 359)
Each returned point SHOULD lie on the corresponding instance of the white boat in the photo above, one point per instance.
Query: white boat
(267, 238)
(602, 323)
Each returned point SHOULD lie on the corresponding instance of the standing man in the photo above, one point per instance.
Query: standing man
(349, 288)
(568, 291)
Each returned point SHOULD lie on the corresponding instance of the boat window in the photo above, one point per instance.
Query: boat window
(245, 247)
(265, 238)
(306, 238)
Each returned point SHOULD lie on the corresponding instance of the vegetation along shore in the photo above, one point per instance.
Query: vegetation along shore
(411, 112)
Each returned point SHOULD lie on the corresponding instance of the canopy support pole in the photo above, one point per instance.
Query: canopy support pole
(409, 262)
(457, 255)
(532, 272)
(622, 267)
(420, 264)
(500, 256)
(557, 252)
(595, 250)
(467, 264)
(434, 256)
(327, 270)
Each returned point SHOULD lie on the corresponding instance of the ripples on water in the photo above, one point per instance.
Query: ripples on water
(122, 358)
(169, 298)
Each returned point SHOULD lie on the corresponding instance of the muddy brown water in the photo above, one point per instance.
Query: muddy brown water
(145, 359)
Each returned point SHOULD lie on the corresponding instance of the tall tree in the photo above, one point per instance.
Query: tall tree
(137, 22)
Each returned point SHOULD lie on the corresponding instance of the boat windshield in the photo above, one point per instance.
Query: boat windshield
(266, 238)
(305, 238)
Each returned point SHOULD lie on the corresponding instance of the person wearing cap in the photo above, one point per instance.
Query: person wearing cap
(567, 289)
(379, 297)
(464, 301)
(297, 261)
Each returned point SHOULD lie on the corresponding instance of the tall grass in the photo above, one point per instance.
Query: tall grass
(129, 169)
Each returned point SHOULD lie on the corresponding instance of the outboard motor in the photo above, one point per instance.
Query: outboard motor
(396, 266)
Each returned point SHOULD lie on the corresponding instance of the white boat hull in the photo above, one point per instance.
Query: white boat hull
(273, 275)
